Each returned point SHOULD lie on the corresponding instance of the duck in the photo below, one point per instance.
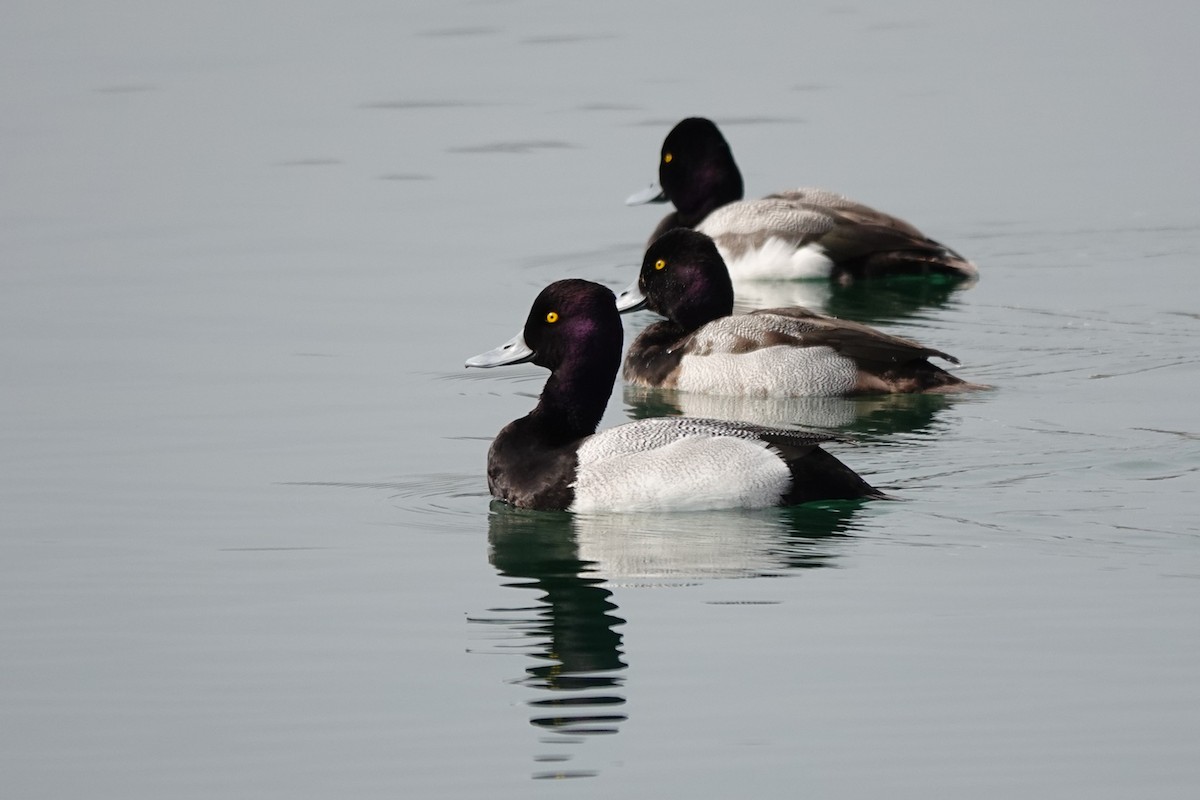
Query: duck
(795, 234)
(553, 459)
(702, 346)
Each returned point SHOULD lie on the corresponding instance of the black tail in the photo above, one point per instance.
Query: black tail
(876, 251)
(818, 475)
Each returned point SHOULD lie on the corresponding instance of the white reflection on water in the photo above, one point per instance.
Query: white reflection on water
(878, 415)
(578, 563)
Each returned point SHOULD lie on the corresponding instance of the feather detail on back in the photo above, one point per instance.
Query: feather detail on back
(770, 216)
(847, 337)
(649, 434)
(850, 209)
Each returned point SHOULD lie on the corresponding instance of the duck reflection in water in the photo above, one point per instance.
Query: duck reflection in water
(870, 415)
(575, 561)
(888, 301)
(878, 302)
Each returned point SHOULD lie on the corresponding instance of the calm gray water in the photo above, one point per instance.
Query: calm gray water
(246, 546)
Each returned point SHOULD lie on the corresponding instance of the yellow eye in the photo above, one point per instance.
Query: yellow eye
(666, 158)
(552, 316)
(659, 264)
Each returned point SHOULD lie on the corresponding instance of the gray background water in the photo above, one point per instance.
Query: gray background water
(246, 547)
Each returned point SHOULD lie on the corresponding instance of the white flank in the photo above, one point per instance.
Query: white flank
(780, 371)
(694, 473)
(778, 259)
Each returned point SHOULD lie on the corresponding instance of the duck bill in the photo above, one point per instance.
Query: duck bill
(651, 194)
(514, 351)
(631, 299)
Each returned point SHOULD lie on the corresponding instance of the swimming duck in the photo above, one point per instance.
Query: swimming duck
(553, 458)
(803, 233)
(702, 346)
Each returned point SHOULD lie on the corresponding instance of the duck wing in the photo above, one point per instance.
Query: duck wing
(802, 327)
(850, 209)
(645, 435)
(870, 249)
(851, 339)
